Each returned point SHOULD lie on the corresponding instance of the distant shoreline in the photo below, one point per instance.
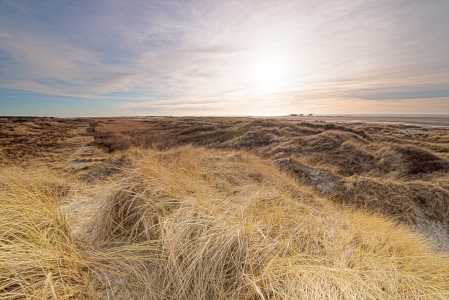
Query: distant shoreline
(388, 115)
(407, 120)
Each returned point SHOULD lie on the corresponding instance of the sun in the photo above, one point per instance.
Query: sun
(269, 71)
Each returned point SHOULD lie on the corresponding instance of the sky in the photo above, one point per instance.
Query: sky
(224, 57)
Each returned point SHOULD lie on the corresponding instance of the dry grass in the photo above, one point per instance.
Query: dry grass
(395, 198)
(182, 222)
(386, 164)
(39, 259)
(342, 149)
(40, 140)
(228, 226)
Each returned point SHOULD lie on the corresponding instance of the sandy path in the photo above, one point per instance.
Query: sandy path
(74, 158)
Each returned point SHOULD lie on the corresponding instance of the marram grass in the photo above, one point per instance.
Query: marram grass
(191, 223)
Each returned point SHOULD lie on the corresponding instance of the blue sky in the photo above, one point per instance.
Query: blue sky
(203, 57)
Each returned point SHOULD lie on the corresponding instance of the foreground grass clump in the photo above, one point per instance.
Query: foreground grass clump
(219, 225)
(39, 259)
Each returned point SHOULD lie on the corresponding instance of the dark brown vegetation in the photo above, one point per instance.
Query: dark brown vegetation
(347, 151)
(392, 170)
(24, 140)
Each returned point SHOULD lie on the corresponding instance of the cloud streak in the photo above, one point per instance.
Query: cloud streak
(199, 55)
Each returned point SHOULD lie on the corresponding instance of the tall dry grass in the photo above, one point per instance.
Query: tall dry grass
(219, 225)
(194, 223)
(40, 258)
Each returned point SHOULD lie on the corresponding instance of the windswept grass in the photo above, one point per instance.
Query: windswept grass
(39, 259)
(229, 226)
(341, 149)
(166, 220)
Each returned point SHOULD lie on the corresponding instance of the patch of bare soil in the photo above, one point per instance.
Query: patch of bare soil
(79, 211)
(433, 230)
(323, 181)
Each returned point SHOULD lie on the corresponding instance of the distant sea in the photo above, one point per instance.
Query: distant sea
(388, 115)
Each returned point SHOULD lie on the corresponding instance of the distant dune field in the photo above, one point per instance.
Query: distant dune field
(426, 121)
(224, 208)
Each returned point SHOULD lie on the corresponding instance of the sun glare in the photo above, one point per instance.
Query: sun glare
(269, 71)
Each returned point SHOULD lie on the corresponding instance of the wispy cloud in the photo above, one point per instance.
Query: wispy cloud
(201, 56)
